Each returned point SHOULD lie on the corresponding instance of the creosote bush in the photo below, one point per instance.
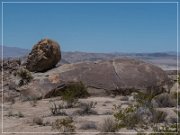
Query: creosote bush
(142, 113)
(25, 76)
(75, 90)
(72, 92)
(64, 125)
(126, 117)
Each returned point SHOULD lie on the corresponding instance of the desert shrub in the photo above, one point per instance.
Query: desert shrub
(37, 121)
(144, 99)
(56, 109)
(142, 113)
(20, 114)
(126, 117)
(165, 100)
(25, 76)
(33, 100)
(158, 116)
(10, 113)
(86, 108)
(74, 91)
(108, 125)
(64, 125)
(88, 125)
(167, 129)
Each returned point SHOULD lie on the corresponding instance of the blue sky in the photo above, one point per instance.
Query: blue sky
(93, 27)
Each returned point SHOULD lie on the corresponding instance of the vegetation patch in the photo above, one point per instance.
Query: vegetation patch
(64, 125)
(108, 125)
(24, 75)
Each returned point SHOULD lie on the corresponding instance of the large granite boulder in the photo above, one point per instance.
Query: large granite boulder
(44, 56)
(119, 76)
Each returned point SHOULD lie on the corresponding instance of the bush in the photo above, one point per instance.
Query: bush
(25, 76)
(73, 91)
(86, 108)
(108, 125)
(11, 114)
(127, 117)
(56, 109)
(158, 116)
(20, 115)
(166, 129)
(165, 100)
(144, 99)
(64, 125)
(37, 121)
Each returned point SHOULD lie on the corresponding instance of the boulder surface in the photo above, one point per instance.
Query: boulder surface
(44, 56)
(118, 76)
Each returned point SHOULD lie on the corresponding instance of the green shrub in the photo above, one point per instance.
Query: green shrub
(126, 117)
(25, 76)
(64, 125)
(144, 99)
(75, 90)
(166, 129)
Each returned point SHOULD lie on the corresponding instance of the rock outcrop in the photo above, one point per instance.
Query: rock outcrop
(44, 56)
(119, 76)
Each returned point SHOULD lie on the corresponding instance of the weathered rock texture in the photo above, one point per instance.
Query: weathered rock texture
(44, 55)
(119, 76)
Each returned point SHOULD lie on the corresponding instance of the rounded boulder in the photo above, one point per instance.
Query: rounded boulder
(43, 56)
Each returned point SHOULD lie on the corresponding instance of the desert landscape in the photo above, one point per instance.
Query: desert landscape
(48, 91)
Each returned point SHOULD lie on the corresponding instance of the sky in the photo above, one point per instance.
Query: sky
(92, 27)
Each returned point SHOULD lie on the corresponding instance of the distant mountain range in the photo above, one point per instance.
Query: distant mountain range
(13, 51)
(19, 52)
(165, 60)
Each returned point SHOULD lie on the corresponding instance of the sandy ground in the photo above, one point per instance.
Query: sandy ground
(104, 109)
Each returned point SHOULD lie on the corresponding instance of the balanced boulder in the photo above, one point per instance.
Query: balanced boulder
(44, 56)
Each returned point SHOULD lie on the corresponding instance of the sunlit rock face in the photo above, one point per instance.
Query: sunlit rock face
(43, 56)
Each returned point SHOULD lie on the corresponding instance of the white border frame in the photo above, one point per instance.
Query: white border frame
(177, 32)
